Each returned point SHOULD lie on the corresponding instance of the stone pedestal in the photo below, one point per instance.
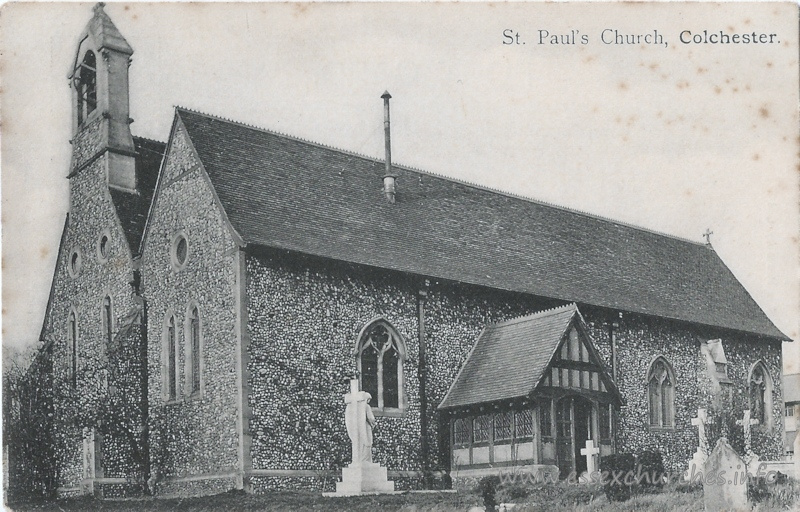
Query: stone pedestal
(363, 478)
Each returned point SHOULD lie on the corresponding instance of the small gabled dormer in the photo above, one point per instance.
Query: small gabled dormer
(100, 102)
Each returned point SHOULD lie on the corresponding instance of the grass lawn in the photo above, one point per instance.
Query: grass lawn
(277, 501)
(553, 498)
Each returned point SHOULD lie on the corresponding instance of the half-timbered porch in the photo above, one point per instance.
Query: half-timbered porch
(530, 394)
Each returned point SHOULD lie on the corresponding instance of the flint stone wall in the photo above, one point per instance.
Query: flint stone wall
(91, 213)
(196, 434)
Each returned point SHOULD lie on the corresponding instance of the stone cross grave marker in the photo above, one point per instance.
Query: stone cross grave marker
(701, 454)
(750, 458)
(590, 452)
(725, 479)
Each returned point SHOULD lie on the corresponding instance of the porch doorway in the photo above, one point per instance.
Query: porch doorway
(574, 421)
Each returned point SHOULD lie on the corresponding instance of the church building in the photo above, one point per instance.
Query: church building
(214, 292)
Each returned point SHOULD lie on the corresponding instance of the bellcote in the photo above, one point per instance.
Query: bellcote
(100, 101)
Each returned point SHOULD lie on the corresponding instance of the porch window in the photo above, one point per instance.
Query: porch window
(482, 428)
(545, 419)
(503, 426)
(604, 421)
(461, 431)
(523, 423)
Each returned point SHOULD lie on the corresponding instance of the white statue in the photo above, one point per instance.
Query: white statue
(359, 420)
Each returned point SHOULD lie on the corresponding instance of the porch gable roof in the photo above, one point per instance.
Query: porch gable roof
(510, 359)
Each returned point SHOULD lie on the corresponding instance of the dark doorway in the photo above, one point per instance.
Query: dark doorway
(573, 429)
(565, 452)
(583, 431)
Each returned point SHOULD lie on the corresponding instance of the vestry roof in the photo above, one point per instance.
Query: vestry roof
(509, 358)
(287, 193)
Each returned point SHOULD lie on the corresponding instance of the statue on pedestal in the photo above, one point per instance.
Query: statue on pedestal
(362, 476)
(359, 420)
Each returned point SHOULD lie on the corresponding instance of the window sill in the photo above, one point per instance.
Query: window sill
(655, 428)
(390, 412)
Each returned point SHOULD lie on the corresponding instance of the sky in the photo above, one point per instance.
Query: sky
(678, 138)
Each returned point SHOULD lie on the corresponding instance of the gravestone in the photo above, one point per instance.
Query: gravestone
(700, 455)
(590, 452)
(725, 480)
(362, 476)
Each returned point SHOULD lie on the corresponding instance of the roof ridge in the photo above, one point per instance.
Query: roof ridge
(538, 314)
(547, 203)
(444, 177)
(148, 139)
(280, 134)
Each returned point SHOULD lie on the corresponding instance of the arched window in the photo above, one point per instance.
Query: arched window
(380, 354)
(72, 347)
(193, 334)
(108, 321)
(171, 341)
(760, 394)
(85, 81)
(661, 393)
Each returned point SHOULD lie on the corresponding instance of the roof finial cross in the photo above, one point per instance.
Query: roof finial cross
(707, 236)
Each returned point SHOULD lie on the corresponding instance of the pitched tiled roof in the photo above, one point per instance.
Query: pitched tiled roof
(508, 358)
(287, 193)
(791, 388)
(131, 208)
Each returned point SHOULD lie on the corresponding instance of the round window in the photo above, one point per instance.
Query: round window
(180, 251)
(103, 246)
(74, 264)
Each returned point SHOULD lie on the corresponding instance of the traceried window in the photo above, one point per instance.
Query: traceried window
(72, 347)
(171, 339)
(194, 342)
(108, 321)
(380, 354)
(661, 394)
(85, 82)
(760, 394)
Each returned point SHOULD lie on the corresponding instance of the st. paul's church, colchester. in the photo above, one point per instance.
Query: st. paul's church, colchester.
(213, 293)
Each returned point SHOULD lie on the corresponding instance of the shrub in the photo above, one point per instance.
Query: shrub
(651, 469)
(622, 465)
(784, 495)
(757, 490)
(487, 488)
(512, 491)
